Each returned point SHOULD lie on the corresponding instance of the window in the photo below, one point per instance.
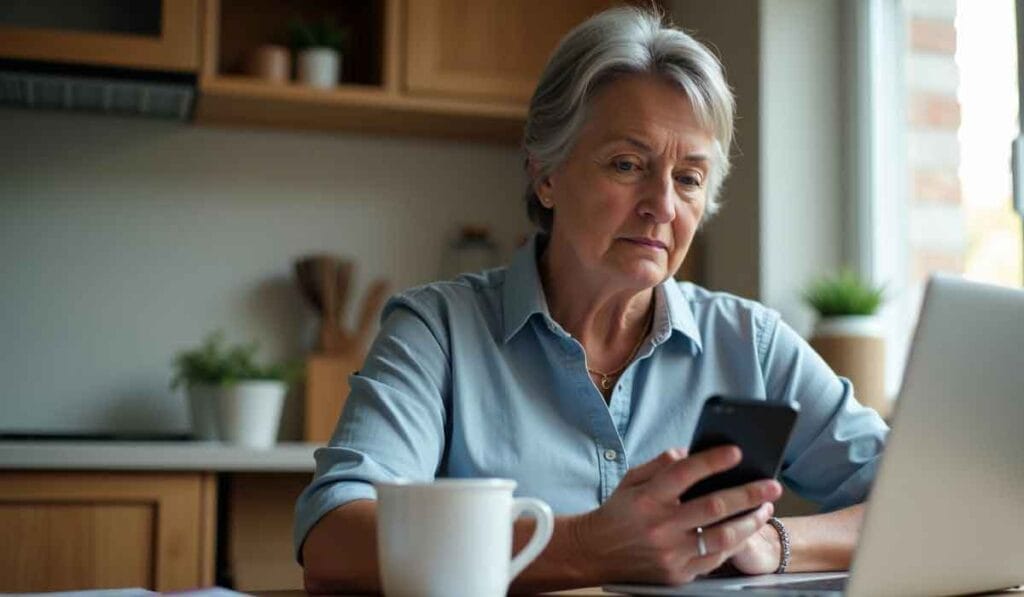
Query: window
(938, 123)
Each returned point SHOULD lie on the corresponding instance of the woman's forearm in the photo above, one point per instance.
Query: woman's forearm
(562, 565)
(340, 551)
(823, 541)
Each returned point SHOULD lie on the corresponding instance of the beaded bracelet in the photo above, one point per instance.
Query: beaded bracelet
(784, 539)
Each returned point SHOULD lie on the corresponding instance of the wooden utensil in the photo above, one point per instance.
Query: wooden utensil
(325, 281)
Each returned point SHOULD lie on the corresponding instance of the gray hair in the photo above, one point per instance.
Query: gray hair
(608, 45)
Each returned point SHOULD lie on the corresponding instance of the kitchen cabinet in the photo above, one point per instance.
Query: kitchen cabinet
(136, 34)
(258, 554)
(460, 69)
(485, 50)
(441, 68)
(74, 530)
(159, 515)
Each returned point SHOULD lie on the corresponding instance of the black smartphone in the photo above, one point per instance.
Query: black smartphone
(760, 429)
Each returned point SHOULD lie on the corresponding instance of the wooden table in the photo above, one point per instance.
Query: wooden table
(588, 592)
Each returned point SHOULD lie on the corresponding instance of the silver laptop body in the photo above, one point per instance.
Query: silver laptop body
(946, 513)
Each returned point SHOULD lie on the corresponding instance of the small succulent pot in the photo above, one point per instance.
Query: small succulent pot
(319, 67)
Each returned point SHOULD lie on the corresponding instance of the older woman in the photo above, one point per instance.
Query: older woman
(585, 357)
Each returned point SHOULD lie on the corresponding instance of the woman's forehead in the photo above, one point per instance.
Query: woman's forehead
(693, 150)
(648, 113)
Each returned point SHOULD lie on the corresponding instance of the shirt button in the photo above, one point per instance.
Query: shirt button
(611, 455)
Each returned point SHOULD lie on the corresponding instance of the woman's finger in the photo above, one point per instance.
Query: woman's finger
(727, 537)
(710, 509)
(647, 470)
(670, 483)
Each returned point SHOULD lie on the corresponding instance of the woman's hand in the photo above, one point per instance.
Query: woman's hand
(761, 553)
(644, 534)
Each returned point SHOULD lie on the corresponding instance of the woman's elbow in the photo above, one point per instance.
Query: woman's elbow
(340, 551)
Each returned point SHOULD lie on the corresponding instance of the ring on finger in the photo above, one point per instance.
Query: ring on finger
(702, 548)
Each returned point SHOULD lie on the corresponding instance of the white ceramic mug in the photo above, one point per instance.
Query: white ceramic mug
(453, 537)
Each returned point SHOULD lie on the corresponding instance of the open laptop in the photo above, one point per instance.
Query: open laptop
(946, 513)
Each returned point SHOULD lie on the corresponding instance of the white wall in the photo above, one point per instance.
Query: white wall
(803, 180)
(123, 241)
(782, 220)
(730, 241)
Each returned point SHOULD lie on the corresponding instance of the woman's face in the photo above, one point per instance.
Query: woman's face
(629, 197)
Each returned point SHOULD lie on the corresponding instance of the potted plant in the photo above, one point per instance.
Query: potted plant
(231, 397)
(317, 49)
(849, 335)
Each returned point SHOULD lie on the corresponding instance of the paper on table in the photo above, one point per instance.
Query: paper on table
(139, 592)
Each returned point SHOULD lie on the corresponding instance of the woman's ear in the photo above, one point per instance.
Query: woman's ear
(542, 186)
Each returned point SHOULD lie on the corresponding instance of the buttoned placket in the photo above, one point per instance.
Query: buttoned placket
(611, 457)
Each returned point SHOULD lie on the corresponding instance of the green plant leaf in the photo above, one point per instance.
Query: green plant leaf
(325, 33)
(844, 294)
(215, 363)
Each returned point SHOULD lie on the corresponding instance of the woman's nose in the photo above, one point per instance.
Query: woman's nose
(658, 200)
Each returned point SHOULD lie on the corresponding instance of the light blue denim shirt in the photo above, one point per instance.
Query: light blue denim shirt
(473, 378)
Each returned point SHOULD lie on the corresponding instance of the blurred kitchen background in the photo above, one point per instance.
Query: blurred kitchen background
(163, 164)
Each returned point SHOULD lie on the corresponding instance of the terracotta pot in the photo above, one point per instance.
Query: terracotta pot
(271, 63)
(854, 346)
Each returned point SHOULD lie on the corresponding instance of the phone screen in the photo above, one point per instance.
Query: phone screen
(760, 429)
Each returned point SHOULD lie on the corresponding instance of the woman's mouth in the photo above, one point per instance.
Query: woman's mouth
(647, 242)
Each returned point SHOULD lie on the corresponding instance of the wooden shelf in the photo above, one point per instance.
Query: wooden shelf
(245, 101)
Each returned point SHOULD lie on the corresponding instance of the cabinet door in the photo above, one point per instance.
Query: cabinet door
(485, 49)
(260, 513)
(72, 531)
(142, 34)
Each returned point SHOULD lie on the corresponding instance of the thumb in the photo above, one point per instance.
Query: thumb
(646, 471)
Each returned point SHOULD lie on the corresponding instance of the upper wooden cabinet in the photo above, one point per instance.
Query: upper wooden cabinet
(138, 34)
(445, 68)
(485, 49)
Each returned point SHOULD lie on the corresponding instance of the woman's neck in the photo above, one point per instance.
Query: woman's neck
(604, 318)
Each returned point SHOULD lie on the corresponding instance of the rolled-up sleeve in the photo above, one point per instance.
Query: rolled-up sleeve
(837, 444)
(393, 422)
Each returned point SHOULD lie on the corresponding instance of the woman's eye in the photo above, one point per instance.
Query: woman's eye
(688, 180)
(625, 166)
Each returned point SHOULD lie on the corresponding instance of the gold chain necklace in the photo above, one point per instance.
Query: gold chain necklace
(606, 378)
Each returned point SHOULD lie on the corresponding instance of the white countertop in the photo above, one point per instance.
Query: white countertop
(154, 456)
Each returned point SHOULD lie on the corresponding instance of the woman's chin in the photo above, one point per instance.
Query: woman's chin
(643, 275)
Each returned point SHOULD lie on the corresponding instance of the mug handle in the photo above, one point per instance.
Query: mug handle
(541, 533)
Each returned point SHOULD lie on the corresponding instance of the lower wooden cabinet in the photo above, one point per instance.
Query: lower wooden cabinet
(258, 531)
(97, 530)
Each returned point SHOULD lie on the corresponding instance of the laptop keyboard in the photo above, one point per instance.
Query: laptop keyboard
(821, 584)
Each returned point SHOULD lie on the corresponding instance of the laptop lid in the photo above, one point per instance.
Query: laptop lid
(946, 513)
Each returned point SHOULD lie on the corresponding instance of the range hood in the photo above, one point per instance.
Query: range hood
(122, 92)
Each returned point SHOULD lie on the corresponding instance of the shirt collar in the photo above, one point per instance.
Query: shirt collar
(523, 296)
(676, 315)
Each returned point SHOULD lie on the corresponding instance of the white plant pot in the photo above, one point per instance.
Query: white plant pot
(202, 406)
(849, 325)
(318, 67)
(249, 412)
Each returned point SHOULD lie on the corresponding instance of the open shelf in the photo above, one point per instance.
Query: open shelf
(244, 25)
(247, 101)
(370, 98)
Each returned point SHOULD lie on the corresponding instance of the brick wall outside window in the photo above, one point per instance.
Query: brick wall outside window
(936, 214)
